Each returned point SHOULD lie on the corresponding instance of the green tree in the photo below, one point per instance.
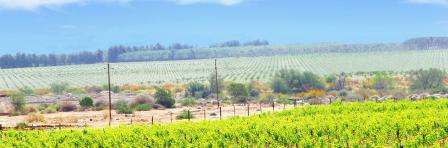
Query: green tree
(254, 91)
(331, 80)
(18, 102)
(428, 80)
(26, 91)
(164, 97)
(296, 82)
(278, 85)
(238, 91)
(58, 87)
(382, 81)
(86, 102)
(197, 90)
(212, 82)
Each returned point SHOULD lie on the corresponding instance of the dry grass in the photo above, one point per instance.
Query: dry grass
(105, 114)
(6, 108)
(35, 118)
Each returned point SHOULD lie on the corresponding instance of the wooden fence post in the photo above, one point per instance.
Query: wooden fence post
(171, 117)
(248, 109)
(188, 114)
(234, 110)
(220, 113)
(152, 120)
(273, 106)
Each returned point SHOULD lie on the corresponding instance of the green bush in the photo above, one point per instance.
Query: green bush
(189, 101)
(86, 102)
(26, 91)
(122, 107)
(18, 101)
(21, 125)
(48, 108)
(143, 107)
(59, 87)
(113, 88)
(163, 97)
(185, 115)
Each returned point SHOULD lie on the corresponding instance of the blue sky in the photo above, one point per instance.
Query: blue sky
(62, 26)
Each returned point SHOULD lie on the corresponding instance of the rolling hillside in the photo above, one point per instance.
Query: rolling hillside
(238, 69)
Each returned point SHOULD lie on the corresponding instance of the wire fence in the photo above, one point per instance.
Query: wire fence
(162, 116)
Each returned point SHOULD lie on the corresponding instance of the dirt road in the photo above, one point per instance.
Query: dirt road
(101, 118)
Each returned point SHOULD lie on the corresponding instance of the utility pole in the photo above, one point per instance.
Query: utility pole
(110, 95)
(216, 83)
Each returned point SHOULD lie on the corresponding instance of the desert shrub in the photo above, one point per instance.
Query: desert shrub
(6, 107)
(189, 101)
(141, 99)
(76, 90)
(185, 115)
(86, 102)
(68, 107)
(143, 107)
(158, 106)
(113, 88)
(35, 118)
(122, 107)
(48, 108)
(41, 91)
(164, 97)
(18, 102)
(94, 89)
(29, 109)
(101, 104)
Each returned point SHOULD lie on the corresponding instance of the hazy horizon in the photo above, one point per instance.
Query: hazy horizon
(67, 26)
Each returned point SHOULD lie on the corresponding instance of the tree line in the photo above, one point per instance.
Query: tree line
(179, 51)
(40, 60)
(112, 54)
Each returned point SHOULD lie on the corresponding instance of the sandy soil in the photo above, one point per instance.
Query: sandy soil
(100, 118)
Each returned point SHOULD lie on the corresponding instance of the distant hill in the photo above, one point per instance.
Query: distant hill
(424, 43)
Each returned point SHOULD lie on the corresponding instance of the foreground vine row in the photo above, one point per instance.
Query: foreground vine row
(390, 124)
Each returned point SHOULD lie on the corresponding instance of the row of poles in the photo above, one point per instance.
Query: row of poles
(189, 114)
(110, 93)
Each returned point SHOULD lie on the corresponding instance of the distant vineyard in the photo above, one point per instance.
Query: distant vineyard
(387, 124)
(236, 69)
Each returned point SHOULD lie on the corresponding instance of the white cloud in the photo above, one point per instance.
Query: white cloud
(220, 2)
(36, 4)
(435, 2)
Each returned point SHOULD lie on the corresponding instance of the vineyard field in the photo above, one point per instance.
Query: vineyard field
(388, 124)
(236, 69)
